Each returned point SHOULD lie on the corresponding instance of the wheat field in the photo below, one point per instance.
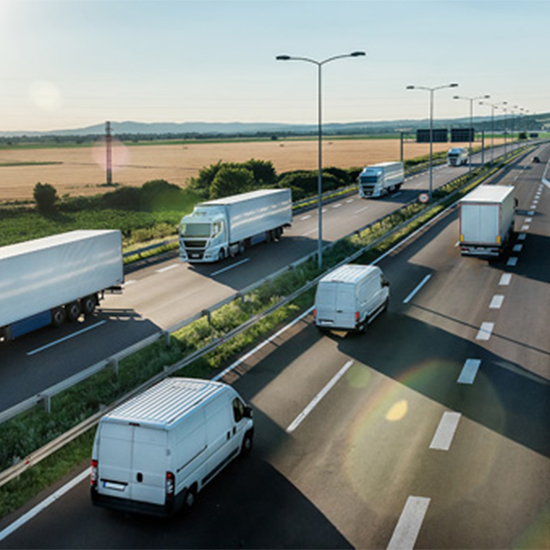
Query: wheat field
(81, 171)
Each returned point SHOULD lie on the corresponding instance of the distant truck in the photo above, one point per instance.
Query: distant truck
(379, 179)
(225, 227)
(487, 220)
(47, 281)
(457, 156)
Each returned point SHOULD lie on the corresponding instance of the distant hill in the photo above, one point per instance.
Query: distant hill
(246, 128)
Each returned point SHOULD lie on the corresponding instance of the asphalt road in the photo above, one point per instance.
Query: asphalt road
(435, 435)
(162, 294)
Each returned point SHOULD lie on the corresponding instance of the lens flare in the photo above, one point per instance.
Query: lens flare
(120, 155)
(45, 95)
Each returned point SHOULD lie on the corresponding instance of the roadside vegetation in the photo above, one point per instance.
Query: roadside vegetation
(29, 431)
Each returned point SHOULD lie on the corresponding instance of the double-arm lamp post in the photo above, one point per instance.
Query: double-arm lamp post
(431, 90)
(320, 132)
(471, 100)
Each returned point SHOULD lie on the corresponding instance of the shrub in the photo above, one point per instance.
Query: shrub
(230, 181)
(45, 196)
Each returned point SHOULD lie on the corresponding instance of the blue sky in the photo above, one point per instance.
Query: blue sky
(72, 63)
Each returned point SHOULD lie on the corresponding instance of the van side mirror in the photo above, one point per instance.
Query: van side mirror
(385, 283)
(248, 412)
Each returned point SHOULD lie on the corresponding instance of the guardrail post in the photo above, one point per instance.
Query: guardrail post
(166, 335)
(47, 401)
(113, 363)
(208, 314)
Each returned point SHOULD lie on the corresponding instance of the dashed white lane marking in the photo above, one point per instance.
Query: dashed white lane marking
(517, 248)
(409, 524)
(419, 286)
(531, 213)
(167, 268)
(230, 267)
(361, 209)
(512, 262)
(298, 420)
(130, 282)
(485, 331)
(496, 302)
(445, 431)
(310, 232)
(337, 205)
(521, 236)
(469, 371)
(306, 217)
(505, 279)
(527, 220)
(525, 227)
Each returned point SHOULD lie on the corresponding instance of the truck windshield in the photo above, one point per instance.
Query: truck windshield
(195, 230)
(369, 179)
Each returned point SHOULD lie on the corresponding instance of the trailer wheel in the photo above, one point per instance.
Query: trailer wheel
(58, 316)
(89, 304)
(73, 311)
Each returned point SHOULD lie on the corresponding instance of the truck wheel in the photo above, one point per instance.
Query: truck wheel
(73, 311)
(88, 304)
(241, 247)
(58, 316)
(221, 255)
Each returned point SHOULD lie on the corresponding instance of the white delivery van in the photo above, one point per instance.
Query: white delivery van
(154, 453)
(350, 297)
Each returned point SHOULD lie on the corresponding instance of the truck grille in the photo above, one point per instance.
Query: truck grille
(194, 244)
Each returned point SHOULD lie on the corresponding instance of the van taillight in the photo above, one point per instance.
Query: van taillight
(93, 474)
(314, 313)
(356, 316)
(170, 484)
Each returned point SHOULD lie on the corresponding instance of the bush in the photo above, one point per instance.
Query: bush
(45, 196)
(231, 181)
(305, 183)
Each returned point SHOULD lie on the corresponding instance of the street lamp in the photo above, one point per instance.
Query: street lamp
(501, 106)
(471, 100)
(320, 132)
(492, 105)
(431, 90)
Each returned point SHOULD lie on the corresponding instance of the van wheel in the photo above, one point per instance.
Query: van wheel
(189, 498)
(247, 444)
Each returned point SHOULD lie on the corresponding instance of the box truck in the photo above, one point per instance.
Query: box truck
(487, 220)
(224, 227)
(47, 281)
(379, 179)
(350, 297)
(457, 156)
(154, 453)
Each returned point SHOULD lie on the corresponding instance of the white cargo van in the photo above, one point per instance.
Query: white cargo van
(350, 297)
(154, 453)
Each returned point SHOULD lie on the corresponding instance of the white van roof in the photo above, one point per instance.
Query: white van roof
(350, 273)
(166, 402)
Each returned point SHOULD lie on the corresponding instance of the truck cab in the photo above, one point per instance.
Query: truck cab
(457, 156)
(203, 235)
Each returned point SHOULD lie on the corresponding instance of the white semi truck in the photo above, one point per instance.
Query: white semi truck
(225, 227)
(457, 156)
(382, 178)
(47, 281)
(487, 220)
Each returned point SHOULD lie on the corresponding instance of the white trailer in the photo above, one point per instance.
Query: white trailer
(156, 452)
(457, 156)
(46, 281)
(487, 220)
(219, 228)
(379, 179)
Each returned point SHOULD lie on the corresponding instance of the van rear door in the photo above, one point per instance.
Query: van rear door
(132, 462)
(346, 306)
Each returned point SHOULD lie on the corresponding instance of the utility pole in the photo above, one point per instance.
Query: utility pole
(108, 163)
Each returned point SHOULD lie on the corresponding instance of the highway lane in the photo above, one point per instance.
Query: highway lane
(381, 443)
(163, 294)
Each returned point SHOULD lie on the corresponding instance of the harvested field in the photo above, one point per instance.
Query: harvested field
(81, 171)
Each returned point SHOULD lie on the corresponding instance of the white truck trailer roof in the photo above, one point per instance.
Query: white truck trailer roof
(488, 194)
(245, 196)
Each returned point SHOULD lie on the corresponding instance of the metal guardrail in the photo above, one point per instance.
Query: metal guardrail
(81, 428)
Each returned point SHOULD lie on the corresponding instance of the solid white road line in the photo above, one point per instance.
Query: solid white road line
(505, 279)
(496, 302)
(485, 331)
(43, 505)
(469, 371)
(413, 293)
(409, 524)
(230, 267)
(445, 431)
(298, 420)
(167, 268)
(78, 333)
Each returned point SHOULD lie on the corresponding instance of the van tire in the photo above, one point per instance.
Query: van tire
(189, 498)
(248, 443)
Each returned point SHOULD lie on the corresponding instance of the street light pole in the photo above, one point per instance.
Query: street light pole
(492, 105)
(431, 90)
(471, 100)
(320, 138)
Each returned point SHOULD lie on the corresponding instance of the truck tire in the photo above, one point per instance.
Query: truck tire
(88, 304)
(73, 311)
(221, 254)
(58, 316)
